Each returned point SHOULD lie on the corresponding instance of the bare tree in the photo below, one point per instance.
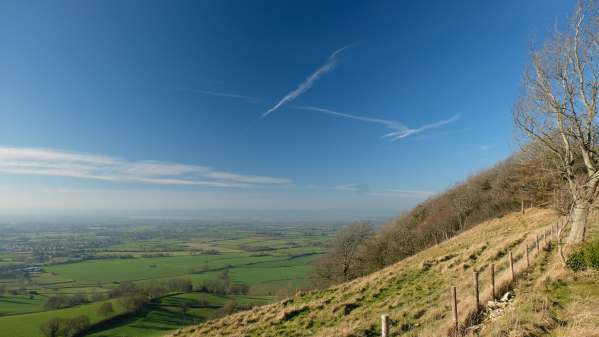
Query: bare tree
(341, 261)
(50, 328)
(558, 109)
(74, 326)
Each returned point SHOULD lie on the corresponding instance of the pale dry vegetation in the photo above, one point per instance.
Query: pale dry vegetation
(552, 300)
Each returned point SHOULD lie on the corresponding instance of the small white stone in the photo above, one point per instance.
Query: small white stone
(506, 297)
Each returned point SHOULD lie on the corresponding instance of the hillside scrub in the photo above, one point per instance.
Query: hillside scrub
(584, 257)
(513, 185)
(552, 300)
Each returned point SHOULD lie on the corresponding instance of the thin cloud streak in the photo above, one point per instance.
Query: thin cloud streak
(386, 123)
(396, 135)
(224, 94)
(309, 81)
(51, 162)
(401, 193)
(402, 131)
(365, 189)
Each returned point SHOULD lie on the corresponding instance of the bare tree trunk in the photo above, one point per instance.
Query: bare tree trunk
(580, 214)
(561, 224)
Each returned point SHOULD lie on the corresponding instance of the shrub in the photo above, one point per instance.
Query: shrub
(135, 302)
(50, 328)
(106, 309)
(74, 326)
(584, 257)
(65, 327)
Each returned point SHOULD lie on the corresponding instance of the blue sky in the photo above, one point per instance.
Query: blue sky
(349, 105)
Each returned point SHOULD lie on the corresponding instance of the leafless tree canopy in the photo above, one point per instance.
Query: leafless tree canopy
(558, 107)
(341, 262)
(526, 177)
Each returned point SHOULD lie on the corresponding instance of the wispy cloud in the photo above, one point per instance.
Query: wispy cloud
(52, 162)
(309, 81)
(361, 189)
(403, 193)
(402, 133)
(400, 130)
(250, 99)
(365, 189)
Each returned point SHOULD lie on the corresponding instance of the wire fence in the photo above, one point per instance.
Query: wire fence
(487, 286)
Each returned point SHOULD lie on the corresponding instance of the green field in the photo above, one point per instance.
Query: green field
(271, 259)
(28, 324)
(166, 315)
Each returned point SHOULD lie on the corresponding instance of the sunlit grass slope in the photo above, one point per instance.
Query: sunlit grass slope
(552, 301)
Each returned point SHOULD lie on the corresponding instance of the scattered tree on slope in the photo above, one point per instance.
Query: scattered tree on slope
(558, 107)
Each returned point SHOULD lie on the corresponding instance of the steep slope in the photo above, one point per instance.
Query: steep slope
(551, 300)
(414, 292)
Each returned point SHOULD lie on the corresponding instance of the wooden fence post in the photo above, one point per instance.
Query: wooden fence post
(512, 266)
(493, 281)
(454, 304)
(385, 325)
(527, 260)
(476, 292)
(538, 249)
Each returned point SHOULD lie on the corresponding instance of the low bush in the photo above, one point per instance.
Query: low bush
(585, 256)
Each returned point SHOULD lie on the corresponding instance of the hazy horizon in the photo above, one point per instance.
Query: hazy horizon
(105, 217)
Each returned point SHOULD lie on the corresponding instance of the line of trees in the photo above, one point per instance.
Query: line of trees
(64, 301)
(132, 297)
(223, 285)
(135, 298)
(64, 327)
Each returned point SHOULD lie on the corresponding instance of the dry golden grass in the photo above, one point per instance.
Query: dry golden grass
(552, 301)
(414, 292)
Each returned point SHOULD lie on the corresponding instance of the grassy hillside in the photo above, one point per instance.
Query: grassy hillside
(552, 301)
(414, 292)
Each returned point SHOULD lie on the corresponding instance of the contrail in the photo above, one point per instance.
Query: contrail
(387, 123)
(393, 136)
(309, 81)
(223, 94)
(400, 130)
